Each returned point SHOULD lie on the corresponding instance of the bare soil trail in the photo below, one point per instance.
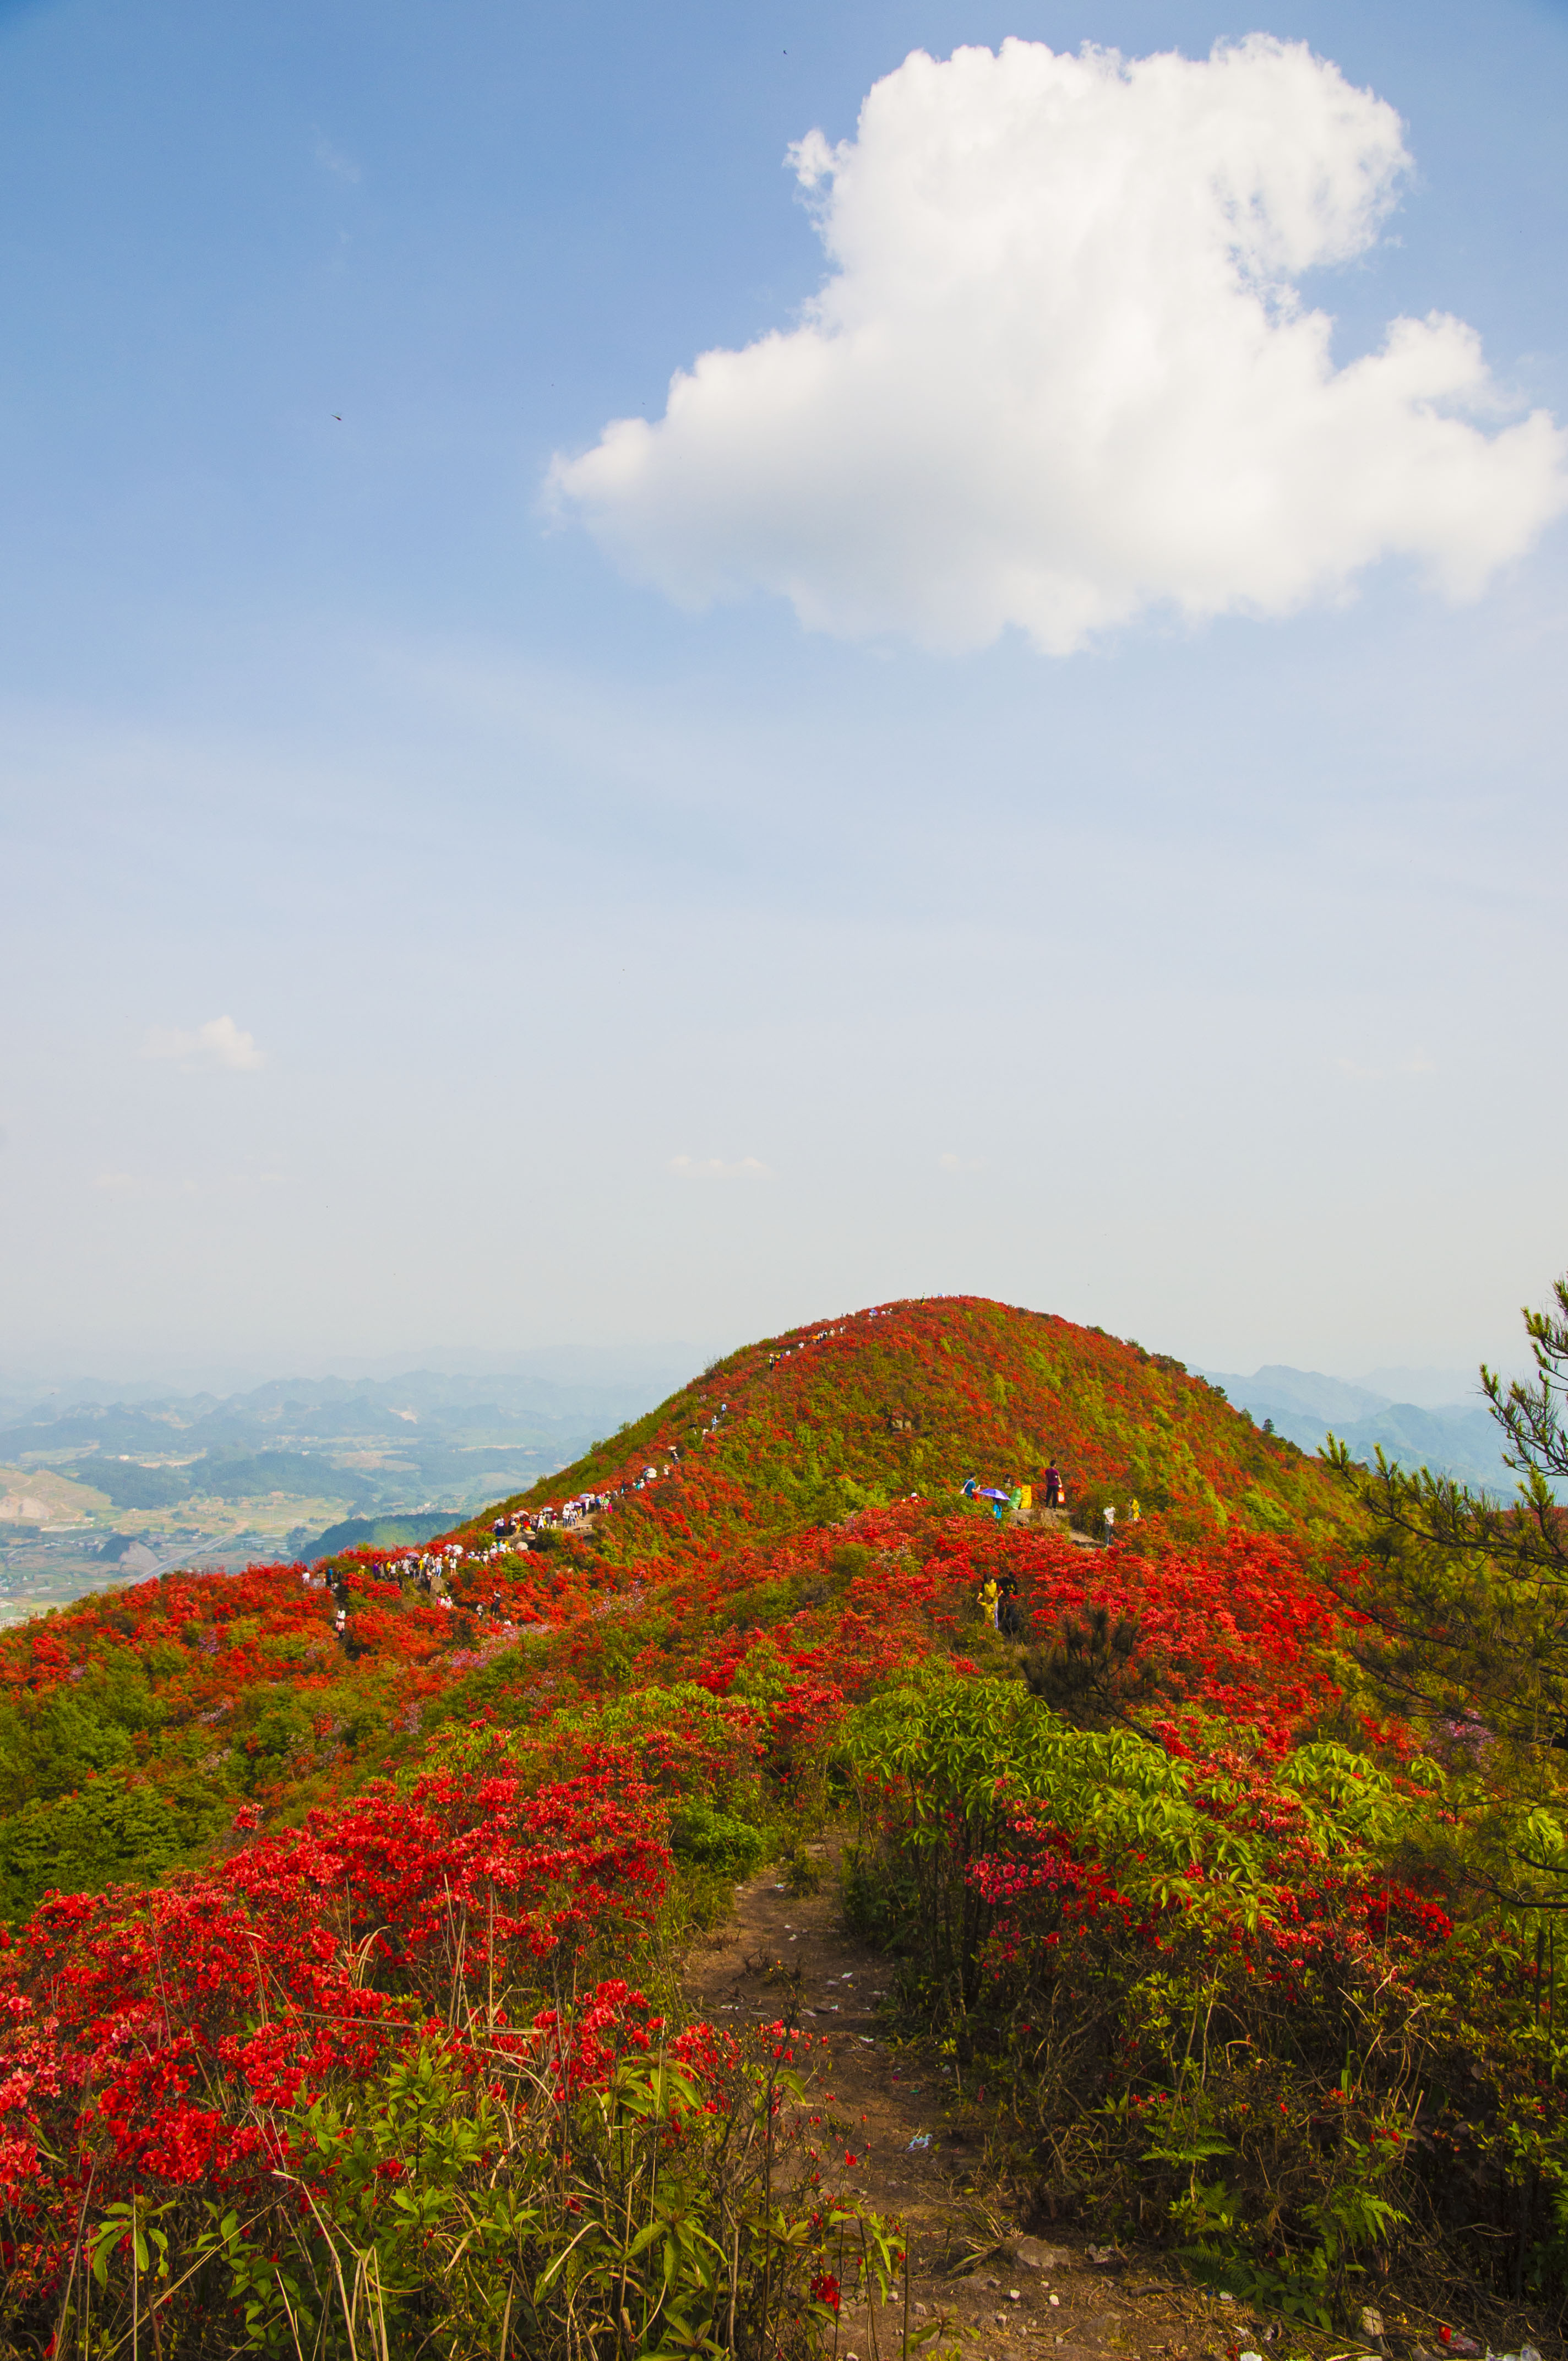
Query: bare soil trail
(918, 2146)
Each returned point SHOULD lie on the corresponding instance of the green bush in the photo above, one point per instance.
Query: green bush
(716, 1840)
(78, 1844)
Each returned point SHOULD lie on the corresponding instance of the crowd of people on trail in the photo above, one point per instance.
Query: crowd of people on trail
(432, 1573)
(519, 1527)
(821, 1337)
(788, 1351)
(1016, 1499)
(516, 1531)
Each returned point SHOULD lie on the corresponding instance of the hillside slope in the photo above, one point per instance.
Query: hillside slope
(133, 1723)
(911, 1397)
(352, 1873)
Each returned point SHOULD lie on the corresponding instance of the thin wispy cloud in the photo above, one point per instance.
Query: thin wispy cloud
(714, 1167)
(1060, 375)
(218, 1043)
(950, 1163)
(332, 159)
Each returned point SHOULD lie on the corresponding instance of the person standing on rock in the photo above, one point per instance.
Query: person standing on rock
(1053, 1485)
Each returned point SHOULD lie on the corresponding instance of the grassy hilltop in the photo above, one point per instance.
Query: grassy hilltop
(339, 2000)
(853, 1412)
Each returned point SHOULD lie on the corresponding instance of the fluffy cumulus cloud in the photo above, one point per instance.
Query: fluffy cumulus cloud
(219, 1042)
(1059, 373)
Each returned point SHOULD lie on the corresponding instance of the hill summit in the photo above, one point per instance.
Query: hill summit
(910, 1400)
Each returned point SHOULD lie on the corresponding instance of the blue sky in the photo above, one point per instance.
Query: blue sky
(601, 967)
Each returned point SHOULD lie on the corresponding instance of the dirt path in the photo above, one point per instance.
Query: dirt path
(916, 2144)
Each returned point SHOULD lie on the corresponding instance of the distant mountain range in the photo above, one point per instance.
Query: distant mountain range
(138, 1480)
(381, 1439)
(1457, 1438)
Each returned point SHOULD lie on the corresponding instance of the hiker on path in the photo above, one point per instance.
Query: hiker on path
(1109, 1526)
(1053, 1485)
(989, 1594)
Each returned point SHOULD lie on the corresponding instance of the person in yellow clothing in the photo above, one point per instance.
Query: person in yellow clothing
(989, 1595)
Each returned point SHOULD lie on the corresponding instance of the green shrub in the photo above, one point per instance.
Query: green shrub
(1171, 1964)
(78, 1844)
(716, 1840)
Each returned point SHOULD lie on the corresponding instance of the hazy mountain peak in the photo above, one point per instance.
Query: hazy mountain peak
(1427, 1389)
(1309, 1393)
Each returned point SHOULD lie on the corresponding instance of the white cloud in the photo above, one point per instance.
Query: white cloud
(713, 1168)
(218, 1043)
(950, 1163)
(332, 159)
(1059, 374)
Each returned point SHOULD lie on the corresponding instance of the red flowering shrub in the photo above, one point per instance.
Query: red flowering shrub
(488, 2187)
(153, 2033)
